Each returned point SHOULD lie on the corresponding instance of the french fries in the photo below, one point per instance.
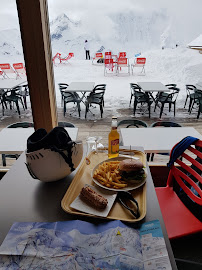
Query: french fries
(108, 175)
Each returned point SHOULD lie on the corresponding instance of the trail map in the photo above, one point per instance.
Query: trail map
(83, 245)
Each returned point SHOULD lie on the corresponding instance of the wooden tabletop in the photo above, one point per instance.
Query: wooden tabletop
(158, 139)
(14, 140)
(25, 199)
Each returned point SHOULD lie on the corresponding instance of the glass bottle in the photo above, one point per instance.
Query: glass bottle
(113, 145)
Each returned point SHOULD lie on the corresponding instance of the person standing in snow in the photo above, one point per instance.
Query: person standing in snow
(86, 47)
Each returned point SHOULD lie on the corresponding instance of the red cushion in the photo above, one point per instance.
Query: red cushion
(179, 221)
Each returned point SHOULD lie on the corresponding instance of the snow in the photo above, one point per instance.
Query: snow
(10, 43)
(180, 65)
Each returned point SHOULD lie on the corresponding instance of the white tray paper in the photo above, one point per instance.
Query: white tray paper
(82, 206)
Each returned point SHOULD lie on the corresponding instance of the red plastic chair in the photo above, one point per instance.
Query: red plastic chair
(109, 67)
(179, 220)
(19, 69)
(6, 68)
(140, 63)
(57, 56)
(2, 74)
(122, 55)
(69, 56)
(108, 55)
(123, 63)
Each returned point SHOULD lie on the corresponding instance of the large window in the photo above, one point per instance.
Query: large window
(154, 31)
(34, 30)
(12, 67)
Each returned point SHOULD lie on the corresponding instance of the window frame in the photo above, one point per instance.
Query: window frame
(36, 42)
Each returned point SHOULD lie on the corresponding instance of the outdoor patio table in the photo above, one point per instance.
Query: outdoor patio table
(157, 140)
(9, 84)
(82, 87)
(153, 87)
(14, 140)
(25, 199)
(150, 87)
(199, 85)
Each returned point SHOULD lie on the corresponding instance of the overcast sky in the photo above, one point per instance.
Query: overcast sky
(185, 13)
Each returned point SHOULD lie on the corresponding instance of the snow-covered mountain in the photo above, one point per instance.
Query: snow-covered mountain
(10, 42)
(127, 31)
(62, 24)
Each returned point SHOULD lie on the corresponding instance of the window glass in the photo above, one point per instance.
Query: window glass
(155, 32)
(12, 68)
(149, 31)
(12, 74)
(154, 37)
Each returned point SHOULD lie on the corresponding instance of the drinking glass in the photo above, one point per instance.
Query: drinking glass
(92, 144)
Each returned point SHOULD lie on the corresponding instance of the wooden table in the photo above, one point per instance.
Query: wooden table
(25, 199)
(14, 140)
(158, 139)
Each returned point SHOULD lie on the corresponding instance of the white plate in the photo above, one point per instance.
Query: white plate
(82, 206)
(130, 186)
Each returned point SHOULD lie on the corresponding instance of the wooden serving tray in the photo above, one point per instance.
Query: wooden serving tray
(83, 176)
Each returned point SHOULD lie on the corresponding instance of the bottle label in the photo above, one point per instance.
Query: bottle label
(115, 146)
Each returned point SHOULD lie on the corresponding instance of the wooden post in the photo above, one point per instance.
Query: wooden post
(35, 33)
